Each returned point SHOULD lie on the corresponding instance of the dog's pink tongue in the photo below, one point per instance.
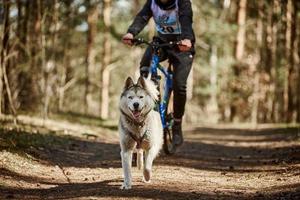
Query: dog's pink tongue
(136, 114)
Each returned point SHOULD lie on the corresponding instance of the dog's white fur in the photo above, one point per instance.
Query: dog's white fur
(152, 126)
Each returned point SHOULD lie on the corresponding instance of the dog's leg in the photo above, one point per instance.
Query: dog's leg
(140, 159)
(149, 157)
(126, 165)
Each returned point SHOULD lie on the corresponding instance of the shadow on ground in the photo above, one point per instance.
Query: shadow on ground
(220, 152)
(108, 189)
(249, 135)
(64, 150)
(69, 151)
(228, 150)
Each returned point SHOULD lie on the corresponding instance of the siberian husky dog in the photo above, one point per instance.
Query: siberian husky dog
(140, 127)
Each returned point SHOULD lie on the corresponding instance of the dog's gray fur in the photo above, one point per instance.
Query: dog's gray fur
(139, 120)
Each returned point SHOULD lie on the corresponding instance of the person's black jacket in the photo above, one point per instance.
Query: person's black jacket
(185, 19)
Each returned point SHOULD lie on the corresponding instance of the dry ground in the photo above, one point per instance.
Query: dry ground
(64, 161)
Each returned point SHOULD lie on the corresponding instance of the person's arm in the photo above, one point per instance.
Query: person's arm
(141, 19)
(186, 19)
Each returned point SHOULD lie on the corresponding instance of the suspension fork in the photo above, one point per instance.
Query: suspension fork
(166, 98)
(167, 87)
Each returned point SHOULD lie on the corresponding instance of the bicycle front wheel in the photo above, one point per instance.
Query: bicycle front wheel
(168, 146)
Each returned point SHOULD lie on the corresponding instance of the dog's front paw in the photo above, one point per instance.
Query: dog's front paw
(145, 181)
(125, 186)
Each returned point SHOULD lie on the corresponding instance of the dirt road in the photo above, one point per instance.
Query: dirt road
(214, 163)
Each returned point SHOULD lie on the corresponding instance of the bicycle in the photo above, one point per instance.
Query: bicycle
(163, 102)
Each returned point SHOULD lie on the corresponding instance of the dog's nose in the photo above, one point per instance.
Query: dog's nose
(136, 105)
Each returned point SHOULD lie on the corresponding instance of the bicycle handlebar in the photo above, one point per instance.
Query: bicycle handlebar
(138, 41)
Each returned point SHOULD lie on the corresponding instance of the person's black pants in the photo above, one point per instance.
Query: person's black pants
(182, 64)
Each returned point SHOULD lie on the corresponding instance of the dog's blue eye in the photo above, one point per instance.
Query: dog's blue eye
(141, 97)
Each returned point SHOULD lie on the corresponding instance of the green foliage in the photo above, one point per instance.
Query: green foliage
(63, 41)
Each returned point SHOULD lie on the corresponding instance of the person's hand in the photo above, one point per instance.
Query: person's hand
(127, 39)
(185, 45)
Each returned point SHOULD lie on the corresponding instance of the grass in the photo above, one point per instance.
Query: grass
(22, 140)
(85, 119)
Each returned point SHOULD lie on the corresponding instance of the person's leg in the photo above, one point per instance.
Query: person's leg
(145, 62)
(182, 63)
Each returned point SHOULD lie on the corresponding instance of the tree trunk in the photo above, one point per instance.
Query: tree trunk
(4, 52)
(240, 38)
(14, 71)
(239, 48)
(65, 77)
(24, 56)
(1, 90)
(23, 15)
(5, 63)
(287, 71)
(90, 70)
(49, 61)
(296, 60)
(298, 63)
(275, 115)
(289, 104)
(33, 76)
(257, 63)
(213, 104)
(269, 62)
(19, 33)
(105, 73)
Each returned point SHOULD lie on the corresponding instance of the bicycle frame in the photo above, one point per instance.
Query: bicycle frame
(163, 102)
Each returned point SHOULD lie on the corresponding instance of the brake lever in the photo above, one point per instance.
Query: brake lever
(137, 41)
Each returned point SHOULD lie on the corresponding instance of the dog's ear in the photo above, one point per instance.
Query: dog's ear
(141, 82)
(128, 83)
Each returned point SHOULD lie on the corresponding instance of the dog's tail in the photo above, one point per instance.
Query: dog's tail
(151, 88)
(140, 159)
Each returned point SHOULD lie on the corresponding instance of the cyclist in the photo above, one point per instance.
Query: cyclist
(173, 20)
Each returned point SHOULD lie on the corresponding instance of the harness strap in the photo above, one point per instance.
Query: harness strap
(138, 140)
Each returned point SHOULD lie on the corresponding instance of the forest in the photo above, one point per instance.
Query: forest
(63, 68)
(67, 57)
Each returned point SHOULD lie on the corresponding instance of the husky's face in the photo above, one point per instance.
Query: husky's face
(135, 101)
